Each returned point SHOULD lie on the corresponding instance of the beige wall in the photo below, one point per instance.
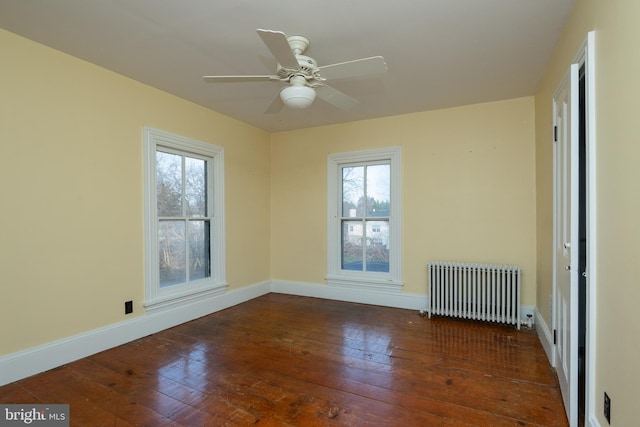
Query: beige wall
(71, 175)
(71, 246)
(468, 189)
(617, 66)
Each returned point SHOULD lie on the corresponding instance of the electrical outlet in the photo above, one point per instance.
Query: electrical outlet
(607, 407)
(128, 307)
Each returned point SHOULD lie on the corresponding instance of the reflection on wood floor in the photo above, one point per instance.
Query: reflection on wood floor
(282, 360)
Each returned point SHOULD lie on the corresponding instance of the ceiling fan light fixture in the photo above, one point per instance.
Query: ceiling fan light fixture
(298, 97)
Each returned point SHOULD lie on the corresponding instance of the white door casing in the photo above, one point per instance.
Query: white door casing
(565, 251)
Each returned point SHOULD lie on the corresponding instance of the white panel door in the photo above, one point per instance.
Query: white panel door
(565, 110)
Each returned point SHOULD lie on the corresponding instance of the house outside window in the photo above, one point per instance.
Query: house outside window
(364, 230)
(184, 219)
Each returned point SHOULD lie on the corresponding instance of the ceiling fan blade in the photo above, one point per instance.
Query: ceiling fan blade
(239, 79)
(355, 68)
(335, 97)
(275, 106)
(278, 44)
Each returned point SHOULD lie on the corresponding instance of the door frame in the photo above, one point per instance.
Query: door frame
(586, 57)
(566, 210)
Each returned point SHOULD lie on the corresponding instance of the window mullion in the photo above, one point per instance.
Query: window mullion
(340, 224)
(364, 244)
(210, 213)
(185, 218)
(365, 207)
(340, 185)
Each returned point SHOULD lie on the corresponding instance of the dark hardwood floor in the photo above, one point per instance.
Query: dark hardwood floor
(282, 360)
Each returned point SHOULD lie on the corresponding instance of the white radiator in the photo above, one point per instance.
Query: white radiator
(475, 291)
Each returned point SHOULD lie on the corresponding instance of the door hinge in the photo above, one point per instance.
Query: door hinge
(555, 134)
(555, 336)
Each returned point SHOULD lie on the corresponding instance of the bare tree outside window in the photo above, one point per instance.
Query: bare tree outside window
(184, 230)
(169, 184)
(195, 187)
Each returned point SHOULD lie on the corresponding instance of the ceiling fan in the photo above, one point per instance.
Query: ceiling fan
(305, 78)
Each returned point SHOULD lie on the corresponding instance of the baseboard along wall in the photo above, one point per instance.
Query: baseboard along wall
(41, 358)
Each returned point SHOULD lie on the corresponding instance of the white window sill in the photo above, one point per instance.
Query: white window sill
(178, 299)
(370, 283)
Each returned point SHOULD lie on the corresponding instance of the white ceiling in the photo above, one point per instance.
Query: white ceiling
(440, 53)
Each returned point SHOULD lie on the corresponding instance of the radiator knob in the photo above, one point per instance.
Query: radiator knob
(568, 267)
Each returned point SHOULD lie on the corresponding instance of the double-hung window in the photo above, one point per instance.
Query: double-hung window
(364, 230)
(184, 223)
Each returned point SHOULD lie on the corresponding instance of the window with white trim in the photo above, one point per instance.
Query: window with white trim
(184, 219)
(364, 230)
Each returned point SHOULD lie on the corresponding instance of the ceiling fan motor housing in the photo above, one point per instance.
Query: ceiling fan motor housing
(307, 67)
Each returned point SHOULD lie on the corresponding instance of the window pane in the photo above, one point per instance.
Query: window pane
(378, 190)
(169, 184)
(195, 186)
(377, 246)
(199, 259)
(172, 252)
(353, 191)
(352, 245)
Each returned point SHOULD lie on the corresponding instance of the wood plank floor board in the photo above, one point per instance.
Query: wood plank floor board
(455, 390)
(437, 412)
(282, 360)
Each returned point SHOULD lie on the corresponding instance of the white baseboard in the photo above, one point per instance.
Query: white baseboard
(29, 362)
(593, 422)
(385, 299)
(38, 359)
(546, 338)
